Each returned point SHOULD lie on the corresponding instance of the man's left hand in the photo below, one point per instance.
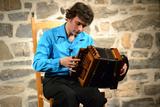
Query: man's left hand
(123, 69)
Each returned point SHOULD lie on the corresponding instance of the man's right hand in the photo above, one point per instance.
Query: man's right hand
(69, 62)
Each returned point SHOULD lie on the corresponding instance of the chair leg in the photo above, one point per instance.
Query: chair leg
(51, 102)
(40, 102)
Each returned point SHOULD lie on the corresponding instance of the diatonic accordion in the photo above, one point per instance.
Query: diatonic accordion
(99, 67)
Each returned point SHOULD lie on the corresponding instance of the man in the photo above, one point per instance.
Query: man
(54, 57)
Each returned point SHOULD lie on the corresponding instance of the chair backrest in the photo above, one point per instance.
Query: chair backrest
(36, 26)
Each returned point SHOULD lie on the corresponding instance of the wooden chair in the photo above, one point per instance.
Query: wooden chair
(36, 26)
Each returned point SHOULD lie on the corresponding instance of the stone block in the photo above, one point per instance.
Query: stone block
(13, 101)
(8, 5)
(19, 16)
(130, 24)
(140, 54)
(45, 10)
(126, 40)
(139, 102)
(11, 89)
(157, 76)
(152, 89)
(103, 12)
(6, 29)
(5, 52)
(157, 35)
(104, 42)
(21, 49)
(121, 2)
(24, 31)
(10, 74)
(144, 40)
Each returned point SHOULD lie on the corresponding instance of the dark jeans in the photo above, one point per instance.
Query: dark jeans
(67, 92)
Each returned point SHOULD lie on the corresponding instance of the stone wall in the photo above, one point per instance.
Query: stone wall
(133, 26)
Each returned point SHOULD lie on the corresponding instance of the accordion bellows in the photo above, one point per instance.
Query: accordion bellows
(99, 67)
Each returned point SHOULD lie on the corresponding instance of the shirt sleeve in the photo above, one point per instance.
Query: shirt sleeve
(42, 60)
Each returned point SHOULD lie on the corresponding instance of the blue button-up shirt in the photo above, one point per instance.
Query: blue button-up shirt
(53, 45)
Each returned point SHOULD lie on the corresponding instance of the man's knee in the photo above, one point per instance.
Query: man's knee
(99, 99)
(64, 99)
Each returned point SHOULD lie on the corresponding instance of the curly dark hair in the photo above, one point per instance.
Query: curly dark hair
(83, 11)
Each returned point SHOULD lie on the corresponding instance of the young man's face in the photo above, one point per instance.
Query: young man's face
(76, 25)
